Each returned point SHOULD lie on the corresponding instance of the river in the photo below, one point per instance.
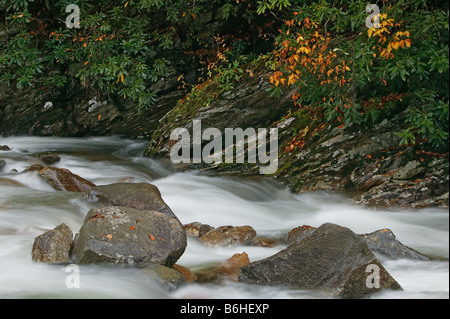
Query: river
(28, 210)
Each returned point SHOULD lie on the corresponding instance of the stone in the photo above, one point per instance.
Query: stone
(299, 233)
(196, 229)
(333, 259)
(186, 272)
(227, 236)
(64, 180)
(4, 148)
(124, 235)
(225, 270)
(2, 164)
(141, 196)
(54, 246)
(384, 242)
(167, 277)
(47, 158)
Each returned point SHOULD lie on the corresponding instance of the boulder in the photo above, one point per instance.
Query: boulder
(384, 241)
(124, 235)
(54, 246)
(332, 258)
(64, 180)
(140, 196)
(4, 148)
(226, 236)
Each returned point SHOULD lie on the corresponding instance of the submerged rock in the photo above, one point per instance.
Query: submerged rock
(225, 270)
(332, 258)
(165, 276)
(226, 236)
(186, 272)
(384, 241)
(54, 246)
(2, 164)
(64, 180)
(48, 158)
(141, 196)
(124, 235)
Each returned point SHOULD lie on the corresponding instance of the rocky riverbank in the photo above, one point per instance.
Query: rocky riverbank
(363, 161)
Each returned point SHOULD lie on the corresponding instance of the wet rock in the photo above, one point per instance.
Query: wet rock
(226, 270)
(187, 273)
(165, 276)
(124, 235)
(226, 236)
(47, 158)
(141, 196)
(64, 180)
(384, 241)
(231, 266)
(263, 242)
(54, 246)
(333, 258)
(33, 168)
(2, 164)
(196, 229)
(4, 148)
(299, 233)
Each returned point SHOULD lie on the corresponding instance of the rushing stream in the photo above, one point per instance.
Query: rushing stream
(29, 209)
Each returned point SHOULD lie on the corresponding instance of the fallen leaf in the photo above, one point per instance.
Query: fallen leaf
(109, 236)
(152, 237)
(132, 228)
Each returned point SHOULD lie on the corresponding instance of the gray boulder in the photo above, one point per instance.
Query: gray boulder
(124, 235)
(53, 246)
(140, 196)
(384, 241)
(332, 258)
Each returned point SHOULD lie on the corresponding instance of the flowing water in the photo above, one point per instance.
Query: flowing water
(29, 207)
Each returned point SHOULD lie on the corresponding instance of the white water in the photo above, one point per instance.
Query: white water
(29, 210)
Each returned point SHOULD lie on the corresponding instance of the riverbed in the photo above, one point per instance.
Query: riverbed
(29, 207)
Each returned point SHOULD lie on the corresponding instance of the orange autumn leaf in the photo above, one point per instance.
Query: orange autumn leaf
(109, 236)
(132, 228)
(151, 237)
